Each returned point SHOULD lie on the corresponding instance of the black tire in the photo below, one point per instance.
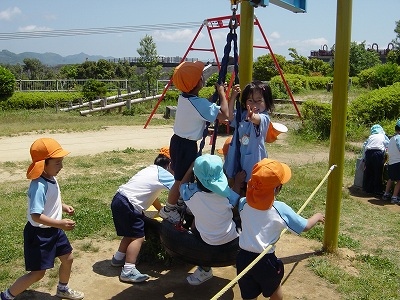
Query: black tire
(184, 245)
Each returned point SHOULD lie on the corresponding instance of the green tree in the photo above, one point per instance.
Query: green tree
(33, 68)
(94, 89)
(264, 67)
(149, 67)
(69, 72)
(7, 83)
(105, 69)
(361, 58)
(394, 55)
(303, 66)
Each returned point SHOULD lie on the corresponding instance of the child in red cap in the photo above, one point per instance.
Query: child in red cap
(263, 219)
(44, 236)
(192, 115)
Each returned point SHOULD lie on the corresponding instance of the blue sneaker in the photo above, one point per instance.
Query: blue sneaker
(117, 262)
(395, 200)
(133, 276)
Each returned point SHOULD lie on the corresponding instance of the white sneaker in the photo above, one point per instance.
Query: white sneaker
(172, 215)
(199, 276)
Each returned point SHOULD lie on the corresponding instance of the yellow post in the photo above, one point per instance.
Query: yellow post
(338, 125)
(246, 43)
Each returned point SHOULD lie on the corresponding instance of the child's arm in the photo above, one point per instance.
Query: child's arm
(253, 117)
(232, 100)
(157, 205)
(64, 224)
(188, 175)
(68, 209)
(223, 115)
(312, 221)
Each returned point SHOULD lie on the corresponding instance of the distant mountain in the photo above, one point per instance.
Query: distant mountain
(48, 58)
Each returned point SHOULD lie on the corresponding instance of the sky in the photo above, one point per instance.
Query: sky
(372, 22)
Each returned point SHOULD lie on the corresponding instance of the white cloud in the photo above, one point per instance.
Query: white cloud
(9, 13)
(31, 28)
(275, 35)
(175, 36)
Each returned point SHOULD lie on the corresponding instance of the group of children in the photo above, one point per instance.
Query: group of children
(378, 150)
(200, 181)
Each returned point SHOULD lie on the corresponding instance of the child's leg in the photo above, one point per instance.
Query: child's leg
(25, 281)
(388, 186)
(396, 189)
(64, 272)
(277, 295)
(174, 194)
(133, 249)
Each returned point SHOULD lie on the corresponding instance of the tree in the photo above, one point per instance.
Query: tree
(394, 55)
(7, 83)
(304, 66)
(264, 67)
(34, 68)
(148, 65)
(361, 58)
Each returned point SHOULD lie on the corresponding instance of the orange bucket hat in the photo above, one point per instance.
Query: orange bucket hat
(187, 75)
(275, 129)
(41, 150)
(165, 151)
(225, 147)
(267, 174)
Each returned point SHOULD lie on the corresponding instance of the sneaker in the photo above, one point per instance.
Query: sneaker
(70, 294)
(172, 215)
(133, 276)
(2, 296)
(395, 200)
(182, 207)
(199, 276)
(386, 197)
(117, 262)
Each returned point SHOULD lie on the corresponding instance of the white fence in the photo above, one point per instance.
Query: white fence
(65, 85)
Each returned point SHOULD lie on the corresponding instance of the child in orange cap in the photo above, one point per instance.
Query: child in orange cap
(128, 205)
(44, 236)
(192, 115)
(263, 219)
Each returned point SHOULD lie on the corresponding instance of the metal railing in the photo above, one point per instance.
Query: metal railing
(66, 85)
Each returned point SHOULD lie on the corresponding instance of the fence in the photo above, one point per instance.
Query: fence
(66, 85)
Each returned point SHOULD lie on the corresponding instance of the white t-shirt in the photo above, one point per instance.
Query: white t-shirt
(146, 185)
(393, 149)
(261, 228)
(212, 214)
(44, 198)
(191, 116)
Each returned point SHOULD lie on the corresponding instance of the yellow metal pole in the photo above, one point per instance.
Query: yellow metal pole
(246, 43)
(338, 125)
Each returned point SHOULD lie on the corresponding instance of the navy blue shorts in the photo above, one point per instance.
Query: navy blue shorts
(394, 171)
(264, 277)
(128, 221)
(42, 246)
(183, 152)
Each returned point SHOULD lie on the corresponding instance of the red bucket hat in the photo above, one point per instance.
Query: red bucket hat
(187, 75)
(41, 150)
(267, 174)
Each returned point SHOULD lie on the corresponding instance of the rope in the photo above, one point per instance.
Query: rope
(257, 259)
(230, 38)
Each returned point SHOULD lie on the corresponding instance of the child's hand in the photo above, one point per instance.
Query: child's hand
(68, 209)
(67, 224)
(250, 114)
(235, 90)
(220, 88)
(321, 217)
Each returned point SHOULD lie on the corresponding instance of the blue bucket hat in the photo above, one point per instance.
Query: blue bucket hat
(208, 170)
(398, 123)
(375, 129)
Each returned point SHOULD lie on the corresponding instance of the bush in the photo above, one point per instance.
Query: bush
(375, 106)
(297, 84)
(94, 89)
(316, 119)
(7, 83)
(380, 76)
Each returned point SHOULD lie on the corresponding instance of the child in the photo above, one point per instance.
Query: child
(192, 115)
(128, 204)
(252, 126)
(263, 219)
(44, 236)
(374, 157)
(211, 201)
(393, 151)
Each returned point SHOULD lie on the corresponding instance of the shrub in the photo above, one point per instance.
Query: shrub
(94, 89)
(380, 76)
(7, 83)
(316, 119)
(297, 84)
(375, 106)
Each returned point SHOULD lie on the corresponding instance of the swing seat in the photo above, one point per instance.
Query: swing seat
(184, 245)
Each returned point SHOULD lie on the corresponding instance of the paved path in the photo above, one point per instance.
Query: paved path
(84, 143)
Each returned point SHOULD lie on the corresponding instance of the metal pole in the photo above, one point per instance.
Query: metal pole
(338, 124)
(246, 43)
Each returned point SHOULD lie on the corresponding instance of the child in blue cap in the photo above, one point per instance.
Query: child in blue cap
(211, 200)
(393, 151)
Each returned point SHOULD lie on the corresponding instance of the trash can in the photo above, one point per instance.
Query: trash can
(359, 173)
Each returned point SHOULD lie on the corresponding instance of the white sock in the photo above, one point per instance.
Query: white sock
(119, 255)
(8, 295)
(169, 207)
(128, 267)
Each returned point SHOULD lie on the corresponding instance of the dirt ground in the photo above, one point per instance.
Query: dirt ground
(92, 272)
